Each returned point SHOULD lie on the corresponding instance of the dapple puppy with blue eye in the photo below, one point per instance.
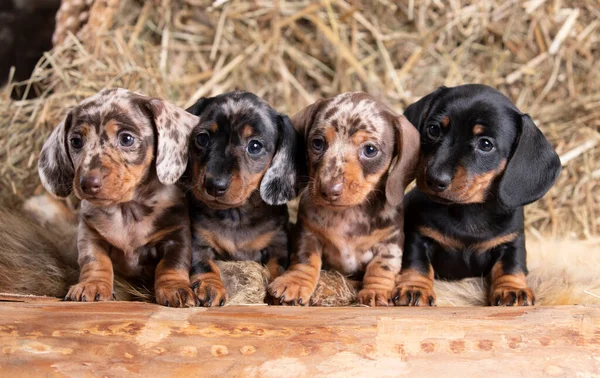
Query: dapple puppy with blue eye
(360, 155)
(121, 153)
(241, 174)
(481, 161)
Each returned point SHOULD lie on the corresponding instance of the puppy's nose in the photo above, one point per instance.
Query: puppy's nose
(438, 182)
(91, 183)
(332, 191)
(216, 186)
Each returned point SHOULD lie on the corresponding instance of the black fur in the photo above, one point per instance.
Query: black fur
(531, 168)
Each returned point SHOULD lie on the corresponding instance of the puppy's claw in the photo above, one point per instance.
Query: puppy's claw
(411, 296)
(175, 293)
(210, 291)
(512, 297)
(292, 288)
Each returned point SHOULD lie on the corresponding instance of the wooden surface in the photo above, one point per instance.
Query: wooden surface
(122, 339)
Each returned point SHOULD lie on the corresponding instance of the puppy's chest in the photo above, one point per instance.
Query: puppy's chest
(238, 234)
(133, 226)
(348, 238)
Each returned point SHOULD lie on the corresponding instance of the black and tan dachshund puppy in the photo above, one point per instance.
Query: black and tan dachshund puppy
(481, 161)
(241, 174)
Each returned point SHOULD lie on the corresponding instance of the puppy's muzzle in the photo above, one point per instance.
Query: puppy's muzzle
(91, 184)
(438, 180)
(332, 191)
(216, 186)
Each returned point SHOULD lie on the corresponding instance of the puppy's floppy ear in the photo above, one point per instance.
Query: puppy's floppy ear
(200, 106)
(532, 169)
(403, 172)
(173, 126)
(305, 118)
(278, 185)
(418, 111)
(55, 166)
(303, 122)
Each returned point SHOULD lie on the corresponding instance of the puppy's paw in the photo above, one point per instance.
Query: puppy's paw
(210, 291)
(174, 293)
(405, 295)
(90, 291)
(507, 296)
(292, 288)
(375, 297)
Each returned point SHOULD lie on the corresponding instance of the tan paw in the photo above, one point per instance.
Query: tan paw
(91, 291)
(508, 296)
(406, 295)
(292, 288)
(210, 291)
(174, 293)
(375, 297)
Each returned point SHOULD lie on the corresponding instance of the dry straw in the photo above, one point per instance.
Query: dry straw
(545, 55)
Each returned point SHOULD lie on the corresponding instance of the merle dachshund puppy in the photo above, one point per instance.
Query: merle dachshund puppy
(121, 153)
(481, 161)
(241, 174)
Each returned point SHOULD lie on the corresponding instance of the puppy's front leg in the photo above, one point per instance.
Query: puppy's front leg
(206, 276)
(415, 283)
(380, 275)
(276, 256)
(298, 283)
(172, 277)
(96, 269)
(508, 276)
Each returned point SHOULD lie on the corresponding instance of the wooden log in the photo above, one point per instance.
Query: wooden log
(123, 339)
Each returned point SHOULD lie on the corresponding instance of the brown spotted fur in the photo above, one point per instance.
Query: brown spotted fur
(136, 223)
(360, 232)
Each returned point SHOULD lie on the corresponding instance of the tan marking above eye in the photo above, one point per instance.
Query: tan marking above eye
(361, 137)
(445, 121)
(247, 131)
(111, 127)
(213, 127)
(330, 134)
(478, 129)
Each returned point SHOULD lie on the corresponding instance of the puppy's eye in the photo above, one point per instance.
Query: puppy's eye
(318, 144)
(76, 142)
(254, 147)
(485, 145)
(202, 139)
(126, 139)
(434, 131)
(370, 151)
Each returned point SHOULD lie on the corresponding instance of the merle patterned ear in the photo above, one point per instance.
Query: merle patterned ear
(55, 166)
(532, 169)
(403, 171)
(278, 185)
(174, 126)
(303, 122)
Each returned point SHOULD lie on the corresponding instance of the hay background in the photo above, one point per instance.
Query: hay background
(544, 54)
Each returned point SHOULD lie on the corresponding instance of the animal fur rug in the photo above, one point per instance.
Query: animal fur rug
(38, 257)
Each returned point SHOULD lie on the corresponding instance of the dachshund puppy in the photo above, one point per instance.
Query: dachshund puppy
(360, 157)
(241, 174)
(481, 161)
(120, 152)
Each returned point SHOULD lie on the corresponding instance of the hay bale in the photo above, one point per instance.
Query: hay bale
(544, 55)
